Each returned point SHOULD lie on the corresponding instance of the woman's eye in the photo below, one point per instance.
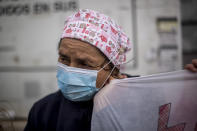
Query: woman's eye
(64, 59)
(84, 64)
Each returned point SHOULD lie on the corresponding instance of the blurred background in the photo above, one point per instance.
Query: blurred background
(163, 33)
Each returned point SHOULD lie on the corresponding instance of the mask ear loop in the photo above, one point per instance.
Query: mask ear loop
(112, 69)
(107, 78)
(109, 73)
(108, 63)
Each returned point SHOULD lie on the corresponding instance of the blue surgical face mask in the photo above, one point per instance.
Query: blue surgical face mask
(77, 84)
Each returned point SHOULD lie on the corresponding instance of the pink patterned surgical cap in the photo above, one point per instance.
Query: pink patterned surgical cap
(100, 31)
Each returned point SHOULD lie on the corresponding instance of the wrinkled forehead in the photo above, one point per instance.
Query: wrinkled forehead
(80, 44)
(82, 48)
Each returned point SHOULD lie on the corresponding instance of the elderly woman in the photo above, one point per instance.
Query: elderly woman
(91, 50)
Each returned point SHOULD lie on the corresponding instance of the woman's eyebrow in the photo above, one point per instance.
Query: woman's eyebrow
(87, 59)
(62, 54)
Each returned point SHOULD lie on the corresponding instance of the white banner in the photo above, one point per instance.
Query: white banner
(161, 102)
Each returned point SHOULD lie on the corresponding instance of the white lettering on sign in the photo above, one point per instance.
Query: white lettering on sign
(37, 8)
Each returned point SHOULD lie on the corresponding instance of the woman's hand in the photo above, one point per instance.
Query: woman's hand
(193, 66)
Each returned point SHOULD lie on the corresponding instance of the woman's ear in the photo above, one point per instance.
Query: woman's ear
(118, 76)
(121, 76)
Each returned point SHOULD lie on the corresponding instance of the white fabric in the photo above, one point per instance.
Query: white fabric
(144, 103)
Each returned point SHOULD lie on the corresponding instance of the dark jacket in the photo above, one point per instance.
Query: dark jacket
(55, 113)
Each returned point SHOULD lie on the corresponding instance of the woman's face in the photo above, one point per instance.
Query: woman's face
(79, 54)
